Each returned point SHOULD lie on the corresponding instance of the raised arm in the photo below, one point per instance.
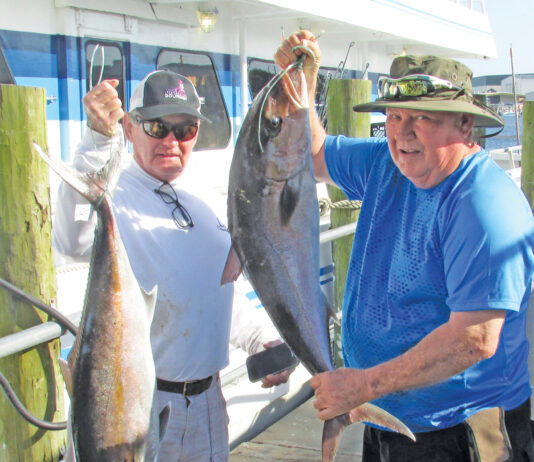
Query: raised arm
(73, 227)
(296, 44)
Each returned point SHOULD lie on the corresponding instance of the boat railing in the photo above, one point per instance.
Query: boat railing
(509, 157)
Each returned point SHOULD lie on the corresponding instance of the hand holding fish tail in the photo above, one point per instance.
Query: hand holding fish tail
(347, 392)
(339, 391)
(103, 107)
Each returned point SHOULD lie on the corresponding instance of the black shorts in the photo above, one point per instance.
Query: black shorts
(489, 437)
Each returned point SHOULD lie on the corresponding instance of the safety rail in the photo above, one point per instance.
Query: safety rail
(48, 331)
(33, 336)
(509, 157)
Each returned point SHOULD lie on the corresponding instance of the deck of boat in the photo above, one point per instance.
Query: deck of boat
(297, 437)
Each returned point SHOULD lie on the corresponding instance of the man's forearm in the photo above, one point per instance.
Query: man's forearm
(448, 350)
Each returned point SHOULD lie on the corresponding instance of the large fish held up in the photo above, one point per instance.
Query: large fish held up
(110, 373)
(273, 217)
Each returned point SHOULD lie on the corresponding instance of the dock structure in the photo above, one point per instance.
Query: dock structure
(297, 438)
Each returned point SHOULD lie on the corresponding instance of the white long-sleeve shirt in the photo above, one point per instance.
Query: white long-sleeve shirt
(190, 331)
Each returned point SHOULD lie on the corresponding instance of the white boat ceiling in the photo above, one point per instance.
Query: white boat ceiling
(380, 29)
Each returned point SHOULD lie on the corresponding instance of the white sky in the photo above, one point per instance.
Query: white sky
(512, 24)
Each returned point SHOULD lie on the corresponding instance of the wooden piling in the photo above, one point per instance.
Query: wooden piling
(26, 262)
(342, 96)
(527, 156)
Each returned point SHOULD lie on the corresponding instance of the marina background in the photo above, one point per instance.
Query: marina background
(511, 25)
(507, 137)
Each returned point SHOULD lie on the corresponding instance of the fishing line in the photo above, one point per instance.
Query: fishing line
(102, 53)
(106, 167)
(298, 64)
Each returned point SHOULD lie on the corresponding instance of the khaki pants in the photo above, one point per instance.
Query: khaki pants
(197, 429)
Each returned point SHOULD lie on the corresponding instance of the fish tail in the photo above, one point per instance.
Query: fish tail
(368, 412)
(93, 186)
(332, 431)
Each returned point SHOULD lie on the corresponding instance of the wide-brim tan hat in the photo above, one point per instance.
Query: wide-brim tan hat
(458, 98)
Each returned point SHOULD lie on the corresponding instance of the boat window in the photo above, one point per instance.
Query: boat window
(104, 60)
(199, 68)
(5, 72)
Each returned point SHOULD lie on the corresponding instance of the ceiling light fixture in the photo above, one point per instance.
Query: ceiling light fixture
(207, 18)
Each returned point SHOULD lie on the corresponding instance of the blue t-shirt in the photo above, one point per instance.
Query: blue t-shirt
(418, 254)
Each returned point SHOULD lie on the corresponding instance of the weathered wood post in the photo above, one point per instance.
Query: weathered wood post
(26, 262)
(342, 95)
(527, 185)
(527, 156)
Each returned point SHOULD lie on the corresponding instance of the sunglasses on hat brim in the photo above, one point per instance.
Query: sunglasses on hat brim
(413, 86)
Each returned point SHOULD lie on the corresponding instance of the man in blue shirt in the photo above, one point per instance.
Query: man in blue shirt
(442, 266)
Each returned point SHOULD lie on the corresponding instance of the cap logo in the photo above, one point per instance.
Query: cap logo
(178, 92)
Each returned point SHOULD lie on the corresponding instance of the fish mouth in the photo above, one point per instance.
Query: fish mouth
(286, 97)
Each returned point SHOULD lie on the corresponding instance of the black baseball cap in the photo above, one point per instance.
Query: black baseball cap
(163, 93)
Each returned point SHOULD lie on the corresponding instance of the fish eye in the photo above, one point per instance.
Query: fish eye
(276, 122)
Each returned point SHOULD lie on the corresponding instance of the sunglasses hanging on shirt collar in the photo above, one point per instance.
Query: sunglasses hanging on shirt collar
(180, 215)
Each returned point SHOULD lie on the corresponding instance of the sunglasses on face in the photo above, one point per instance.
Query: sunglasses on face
(183, 131)
(412, 86)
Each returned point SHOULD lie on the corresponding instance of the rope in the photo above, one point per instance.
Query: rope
(326, 204)
(25, 413)
(66, 323)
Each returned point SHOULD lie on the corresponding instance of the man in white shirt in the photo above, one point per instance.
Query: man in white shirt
(174, 240)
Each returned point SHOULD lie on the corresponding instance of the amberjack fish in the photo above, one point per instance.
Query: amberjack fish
(273, 217)
(110, 374)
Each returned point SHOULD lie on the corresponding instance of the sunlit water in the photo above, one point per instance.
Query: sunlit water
(508, 136)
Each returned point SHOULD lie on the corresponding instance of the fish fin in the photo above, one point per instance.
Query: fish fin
(67, 376)
(164, 416)
(232, 268)
(73, 354)
(373, 414)
(150, 300)
(330, 313)
(92, 185)
(288, 202)
(334, 317)
(332, 431)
